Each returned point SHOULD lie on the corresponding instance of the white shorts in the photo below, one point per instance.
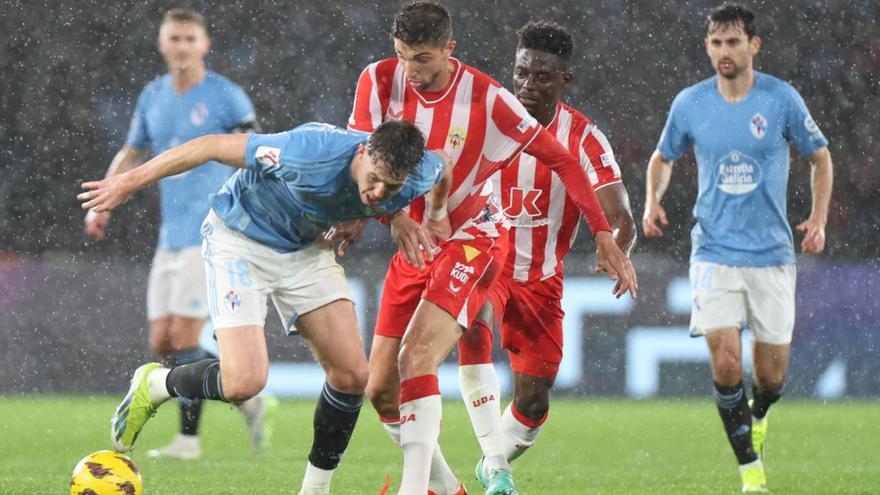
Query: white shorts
(177, 284)
(242, 272)
(760, 298)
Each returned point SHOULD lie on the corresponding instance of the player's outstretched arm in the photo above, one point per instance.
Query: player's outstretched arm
(104, 195)
(95, 224)
(609, 257)
(822, 181)
(656, 181)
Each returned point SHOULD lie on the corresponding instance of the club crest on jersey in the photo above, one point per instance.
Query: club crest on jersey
(738, 173)
(758, 126)
(456, 136)
(268, 156)
(232, 301)
(199, 114)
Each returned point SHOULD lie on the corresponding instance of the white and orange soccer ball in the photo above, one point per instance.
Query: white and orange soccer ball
(106, 472)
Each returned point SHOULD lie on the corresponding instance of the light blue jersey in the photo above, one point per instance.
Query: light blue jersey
(298, 184)
(164, 119)
(742, 152)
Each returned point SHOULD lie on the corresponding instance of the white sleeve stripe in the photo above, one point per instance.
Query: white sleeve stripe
(375, 104)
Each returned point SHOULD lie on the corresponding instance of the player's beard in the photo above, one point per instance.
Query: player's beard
(426, 86)
(732, 73)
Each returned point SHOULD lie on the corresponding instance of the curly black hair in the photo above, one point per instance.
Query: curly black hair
(546, 36)
(420, 23)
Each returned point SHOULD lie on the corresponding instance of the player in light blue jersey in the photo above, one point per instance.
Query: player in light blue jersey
(263, 237)
(187, 102)
(740, 124)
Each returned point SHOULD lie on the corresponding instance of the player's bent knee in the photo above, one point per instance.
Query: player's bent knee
(349, 381)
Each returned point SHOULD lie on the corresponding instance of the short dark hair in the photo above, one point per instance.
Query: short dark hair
(419, 23)
(181, 14)
(546, 36)
(400, 145)
(733, 14)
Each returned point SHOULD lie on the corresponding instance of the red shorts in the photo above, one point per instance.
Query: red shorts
(458, 281)
(531, 323)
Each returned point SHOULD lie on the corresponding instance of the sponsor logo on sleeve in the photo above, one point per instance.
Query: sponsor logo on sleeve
(527, 123)
(608, 159)
(811, 127)
(268, 156)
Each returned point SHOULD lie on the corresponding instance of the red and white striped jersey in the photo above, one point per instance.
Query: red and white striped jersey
(481, 125)
(544, 219)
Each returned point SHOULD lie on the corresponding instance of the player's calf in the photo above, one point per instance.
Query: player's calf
(335, 417)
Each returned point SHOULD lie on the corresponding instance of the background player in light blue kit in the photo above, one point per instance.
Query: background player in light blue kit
(260, 239)
(740, 123)
(187, 102)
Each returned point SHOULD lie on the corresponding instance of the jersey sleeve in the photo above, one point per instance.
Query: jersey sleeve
(264, 151)
(800, 128)
(241, 116)
(138, 136)
(368, 107)
(597, 158)
(676, 137)
(509, 129)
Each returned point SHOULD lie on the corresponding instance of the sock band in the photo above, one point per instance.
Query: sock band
(418, 387)
(475, 346)
(525, 420)
(342, 401)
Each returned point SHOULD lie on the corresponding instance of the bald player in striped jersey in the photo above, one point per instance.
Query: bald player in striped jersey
(526, 299)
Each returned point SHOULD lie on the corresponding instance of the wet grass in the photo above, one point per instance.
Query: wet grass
(591, 446)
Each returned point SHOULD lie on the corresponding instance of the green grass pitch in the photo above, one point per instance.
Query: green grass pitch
(599, 446)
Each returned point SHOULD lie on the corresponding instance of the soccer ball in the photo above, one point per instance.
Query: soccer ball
(106, 472)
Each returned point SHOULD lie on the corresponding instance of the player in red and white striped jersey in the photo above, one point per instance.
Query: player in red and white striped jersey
(526, 299)
(425, 309)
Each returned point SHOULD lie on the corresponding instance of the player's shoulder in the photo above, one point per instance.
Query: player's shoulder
(578, 119)
(698, 92)
(157, 85)
(478, 75)
(382, 69)
(775, 85)
(320, 139)
(221, 83)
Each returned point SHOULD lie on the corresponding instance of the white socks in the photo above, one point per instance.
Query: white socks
(419, 431)
(518, 436)
(441, 479)
(482, 398)
(156, 385)
(316, 481)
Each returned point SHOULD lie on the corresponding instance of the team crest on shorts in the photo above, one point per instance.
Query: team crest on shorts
(232, 301)
(758, 126)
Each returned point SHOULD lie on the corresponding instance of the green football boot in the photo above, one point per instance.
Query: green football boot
(133, 412)
(754, 480)
(759, 434)
(500, 482)
(480, 474)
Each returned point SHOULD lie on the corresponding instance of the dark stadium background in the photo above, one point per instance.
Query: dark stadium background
(72, 311)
